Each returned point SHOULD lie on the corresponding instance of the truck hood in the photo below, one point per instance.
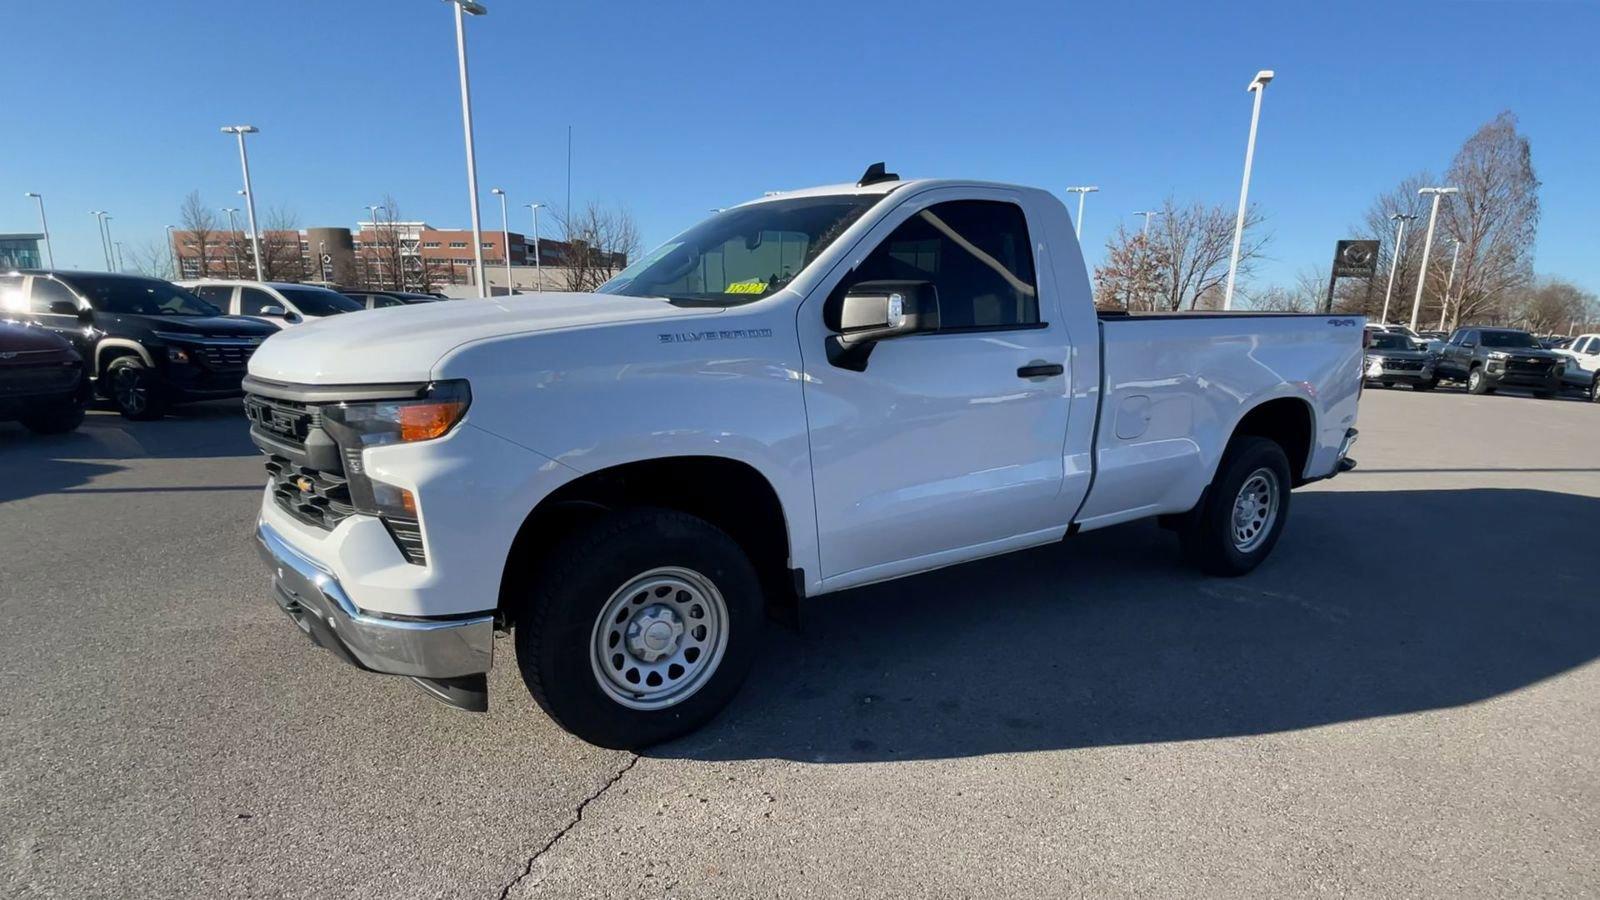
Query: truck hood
(403, 343)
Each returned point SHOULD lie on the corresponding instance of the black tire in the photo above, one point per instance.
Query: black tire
(1477, 382)
(1389, 385)
(134, 389)
(1208, 539)
(1594, 389)
(1428, 385)
(58, 419)
(559, 623)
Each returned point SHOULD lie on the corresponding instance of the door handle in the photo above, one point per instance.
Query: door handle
(1040, 370)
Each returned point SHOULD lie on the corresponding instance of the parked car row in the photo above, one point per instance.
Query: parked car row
(1484, 359)
(143, 343)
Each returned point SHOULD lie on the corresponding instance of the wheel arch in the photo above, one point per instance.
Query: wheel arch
(730, 494)
(1289, 421)
(111, 348)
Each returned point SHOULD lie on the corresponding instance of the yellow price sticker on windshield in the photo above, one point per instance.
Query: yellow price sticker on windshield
(746, 287)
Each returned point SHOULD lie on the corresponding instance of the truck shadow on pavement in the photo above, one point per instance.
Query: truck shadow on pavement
(1374, 604)
(43, 464)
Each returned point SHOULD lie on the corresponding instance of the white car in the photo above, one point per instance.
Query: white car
(805, 393)
(280, 303)
(1583, 372)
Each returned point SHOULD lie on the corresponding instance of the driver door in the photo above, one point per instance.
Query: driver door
(944, 448)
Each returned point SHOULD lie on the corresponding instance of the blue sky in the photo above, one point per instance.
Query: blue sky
(682, 106)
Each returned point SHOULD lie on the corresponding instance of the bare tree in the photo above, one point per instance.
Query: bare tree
(1495, 217)
(1378, 224)
(599, 243)
(1305, 294)
(280, 246)
(200, 226)
(1181, 264)
(1553, 306)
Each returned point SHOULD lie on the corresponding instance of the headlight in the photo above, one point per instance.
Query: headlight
(357, 426)
(1499, 355)
(177, 355)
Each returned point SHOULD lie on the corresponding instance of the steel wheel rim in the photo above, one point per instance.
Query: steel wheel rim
(1255, 509)
(1594, 390)
(129, 391)
(1473, 378)
(659, 638)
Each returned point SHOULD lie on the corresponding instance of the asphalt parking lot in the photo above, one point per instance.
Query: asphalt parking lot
(1403, 701)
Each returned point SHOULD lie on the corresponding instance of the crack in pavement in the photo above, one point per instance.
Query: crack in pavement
(577, 817)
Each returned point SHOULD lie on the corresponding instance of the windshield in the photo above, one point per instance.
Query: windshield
(1387, 341)
(313, 301)
(1518, 339)
(140, 296)
(744, 253)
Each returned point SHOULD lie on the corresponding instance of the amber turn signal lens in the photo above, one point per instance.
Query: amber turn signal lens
(426, 421)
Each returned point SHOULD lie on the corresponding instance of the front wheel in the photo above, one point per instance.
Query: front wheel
(1594, 389)
(134, 389)
(1477, 383)
(639, 628)
(1244, 510)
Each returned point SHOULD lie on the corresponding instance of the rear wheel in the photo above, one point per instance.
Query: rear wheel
(134, 389)
(1594, 389)
(1477, 384)
(639, 628)
(1244, 510)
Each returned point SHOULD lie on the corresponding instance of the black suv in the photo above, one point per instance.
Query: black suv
(41, 379)
(146, 343)
(1489, 358)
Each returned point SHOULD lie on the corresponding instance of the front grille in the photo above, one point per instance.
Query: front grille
(18, 381)
(1403, 365)
(227, 356)
(1528, 367)
(320, 499)
(287, 420)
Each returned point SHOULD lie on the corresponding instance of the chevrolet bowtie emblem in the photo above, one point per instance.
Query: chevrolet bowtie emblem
(304, 484)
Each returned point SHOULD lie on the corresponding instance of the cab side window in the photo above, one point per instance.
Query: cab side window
(45, 293)
(217, 295)
(977, 255)
(11, 299)
(253, 300)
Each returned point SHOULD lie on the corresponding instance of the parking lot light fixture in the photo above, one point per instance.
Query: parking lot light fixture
(538, 271)
(1148, 213)
(371, 243)
(1394, 264)
(1427, 246)
(1444, 305)
(464, 8)
(233, 240)
(172, 252)
(44, 225)
(240, 131)
(100, 223)
(1257, 86)
(1078, 222)
(111, 262)
(505, 237)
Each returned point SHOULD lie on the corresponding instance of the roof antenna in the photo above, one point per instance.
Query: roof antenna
(875, 174)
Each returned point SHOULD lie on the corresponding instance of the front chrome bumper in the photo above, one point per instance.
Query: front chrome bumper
(422, 648)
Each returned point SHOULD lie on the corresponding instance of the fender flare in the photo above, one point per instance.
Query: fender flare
(106, 343)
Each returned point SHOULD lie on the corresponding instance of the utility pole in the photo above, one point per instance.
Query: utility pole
(377, 262)
(1394, 264)
(172, 253)
(538, 271)
(1450, 282)
(233, 241)
(464, 8)
(1078, 222)
(240, 131)
(1257, 86)
(100, 222)
(44, 224)
(1427, 247)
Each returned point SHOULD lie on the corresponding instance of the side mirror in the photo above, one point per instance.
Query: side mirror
(291, 317)
(1469, 344)
(275, 312)
(63, 308)
(873, 311)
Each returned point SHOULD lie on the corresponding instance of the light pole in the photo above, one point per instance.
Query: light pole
(44, 224)
(119, 256)
(464, 8)
(100, 222)
(538, 270)
(1078, 222)
(1145, 232)
(1449, 283)
(240, 131)
(1394, 264)
(1427, 246)
(105, 220)
(1258, 86)
(505, 238)
(172, 253)
(377, 262)
(233, 240)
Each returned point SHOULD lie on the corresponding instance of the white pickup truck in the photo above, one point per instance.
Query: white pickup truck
(802, 394)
